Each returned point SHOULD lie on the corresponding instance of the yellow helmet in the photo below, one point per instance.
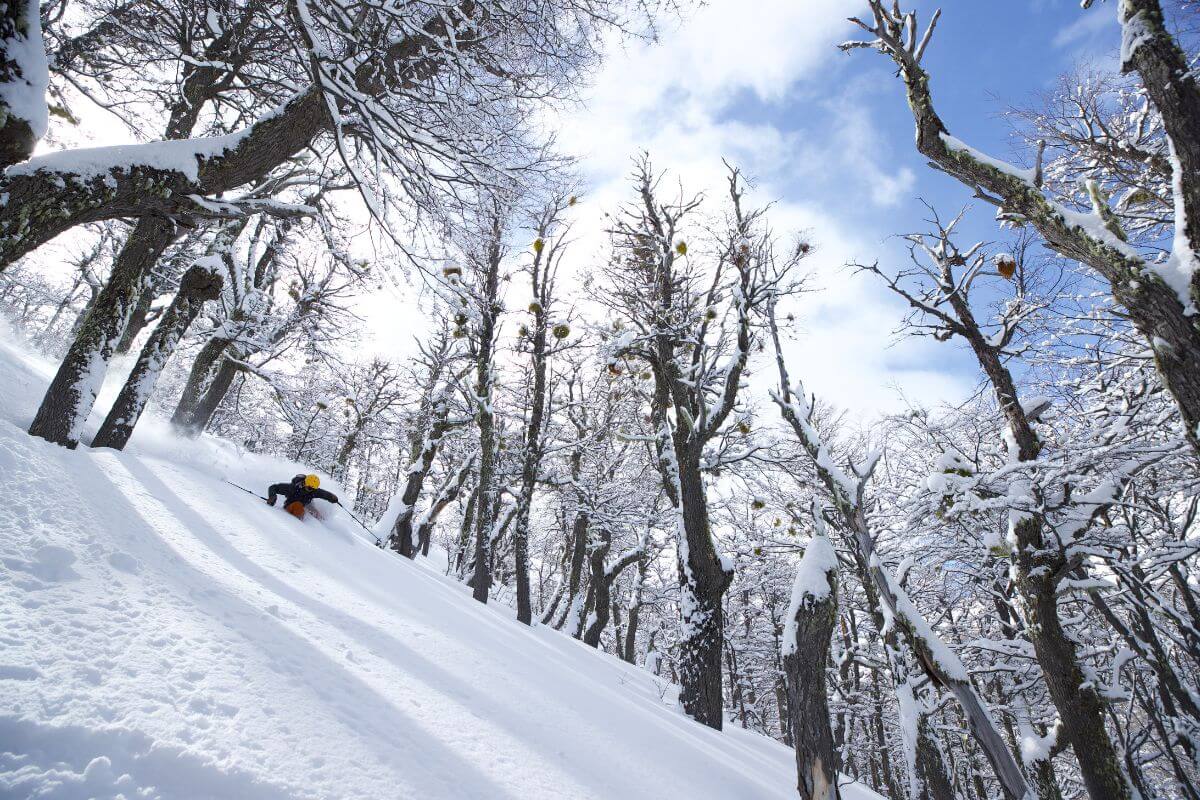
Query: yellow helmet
(312, 481)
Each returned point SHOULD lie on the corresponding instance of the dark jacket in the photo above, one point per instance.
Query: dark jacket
(295, 490)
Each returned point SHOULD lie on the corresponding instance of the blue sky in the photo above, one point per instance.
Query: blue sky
(830, 139)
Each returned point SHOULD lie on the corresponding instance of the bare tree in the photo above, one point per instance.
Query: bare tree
(548, 250)
(1041, 543)
(691, 323)
(1160, 298)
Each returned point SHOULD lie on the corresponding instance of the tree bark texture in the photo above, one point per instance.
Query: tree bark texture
(804, 664)
(72, 393)
(198, 285)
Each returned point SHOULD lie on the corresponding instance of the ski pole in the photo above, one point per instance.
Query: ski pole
(378, 541)
(244, 489)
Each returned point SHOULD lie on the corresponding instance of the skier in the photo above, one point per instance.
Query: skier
(298, 493)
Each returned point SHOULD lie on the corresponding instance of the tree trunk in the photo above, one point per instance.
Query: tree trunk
(204, 410)
(603, 576)
(532, 457)
(139, 318)
(197, 286)
(72, 393)
(482, 576)
(811, 621)
(341, 461)
(401, 539)
(1079, 705)
(702, 583)
(63, 304)
(635, 608)
(907, 620)
(600, 585)
(931, 766)
(464, 531)
(481, 580)
(578, 550)
(881, 760)
(204, 369)
(447, 495)
(1170, 81)
(1037, 569)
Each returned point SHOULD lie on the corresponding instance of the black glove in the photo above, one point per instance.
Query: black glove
(271, 502)
(339, 502)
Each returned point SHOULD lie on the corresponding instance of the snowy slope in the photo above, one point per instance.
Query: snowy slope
(164, 635)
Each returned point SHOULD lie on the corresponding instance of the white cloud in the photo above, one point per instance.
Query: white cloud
(1088, 29)
(673, 99)
(728, 46)
(845, 349)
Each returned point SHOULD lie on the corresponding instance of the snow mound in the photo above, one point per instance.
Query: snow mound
(164, 635)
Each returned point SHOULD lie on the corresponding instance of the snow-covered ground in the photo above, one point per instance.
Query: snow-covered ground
(163, 635)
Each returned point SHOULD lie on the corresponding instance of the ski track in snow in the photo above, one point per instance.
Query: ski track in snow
(163, 635)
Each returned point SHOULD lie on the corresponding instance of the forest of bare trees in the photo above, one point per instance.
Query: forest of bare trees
(616, 435)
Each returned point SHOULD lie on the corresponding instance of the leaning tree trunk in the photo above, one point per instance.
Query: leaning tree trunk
(603, 576)
(206, 407)
(401, 538)
(578, 555)
(204, 369)
(939, 661)
(199, 284)
(446, 495)
(72, 393)
(139, 318)
(1038, 566)
(810, 623)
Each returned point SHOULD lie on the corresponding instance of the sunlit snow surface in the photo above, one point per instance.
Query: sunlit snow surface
(163, 635)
